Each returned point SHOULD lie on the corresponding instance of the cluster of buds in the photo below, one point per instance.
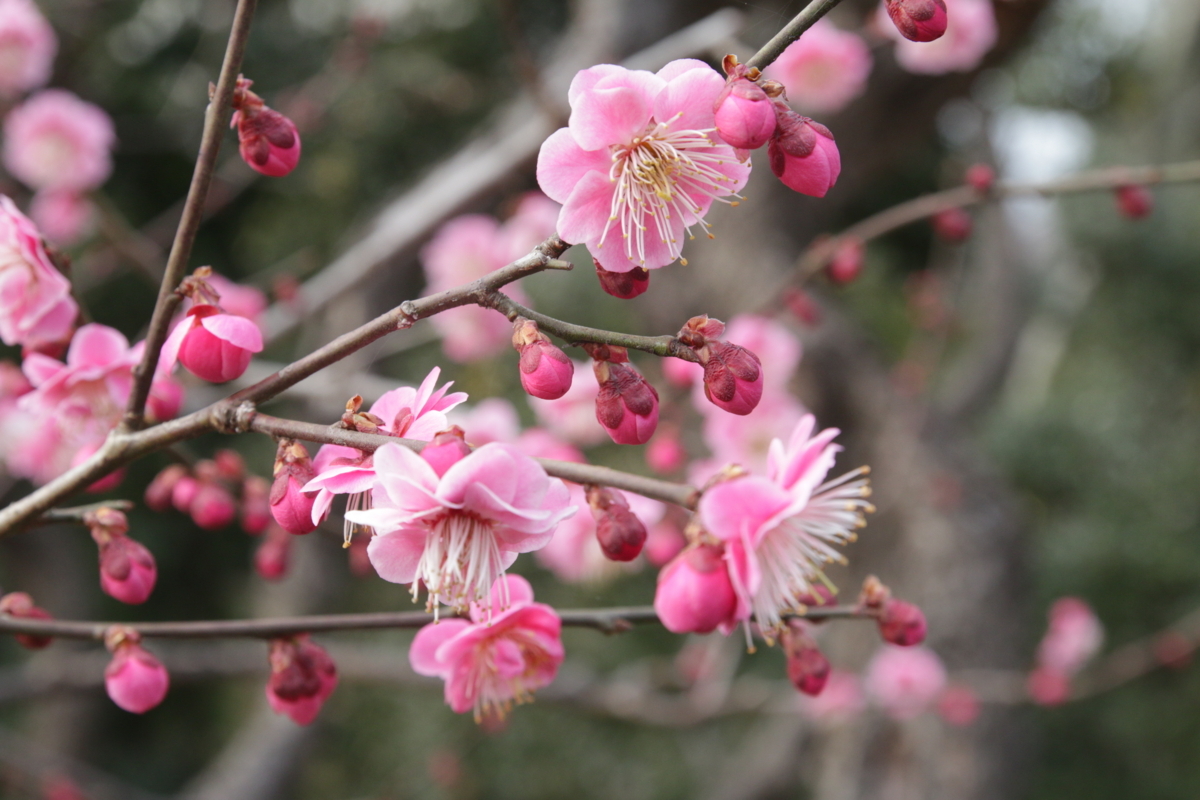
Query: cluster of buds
(210, 344)
(625, 285)
(209, 493)
(545, 370)
(733, 376)
(302, 678)
(135, 680)
(751, 112)
(127, 569)
(626, 405)
(20, 605)
(267, 140)
(918, 20)
(290, 506)
(620, 533)
(900, 623)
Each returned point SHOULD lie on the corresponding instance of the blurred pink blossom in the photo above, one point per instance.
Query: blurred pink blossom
(36, 307)
(54, 140)
(573, 416)
(64, 216)
(905, 681)
(841, 700)
(27, 47)
(824, 69)
(302, 678)
(970, 33)
(1074, 636)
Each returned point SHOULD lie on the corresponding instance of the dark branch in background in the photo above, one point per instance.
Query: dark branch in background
(791, 32)
(215, 120)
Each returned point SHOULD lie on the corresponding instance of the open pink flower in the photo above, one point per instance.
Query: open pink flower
(971, 32)
(35, 299)
(905, 680)
(781, 530)
(54, 140)
(64, 216)
(639, 163)
(495, 659)
(27, 47)
(824, 69)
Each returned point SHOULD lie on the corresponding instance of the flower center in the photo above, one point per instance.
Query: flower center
(659, 177)
(460, 562)
(504, 672)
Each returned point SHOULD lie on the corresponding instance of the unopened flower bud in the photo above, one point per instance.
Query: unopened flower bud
(106, 522)
(958, 705)
(981, 178)
(256, 508)
(918, 20)
(874, 593)
(952, 225)
(1134, 201)
(290, 507)
(802, 306)
(447, 449)
(733, 377)
(620, 533)
(212, 345)
(545, 369)
(165, 400)
(694, 593)
(807, 666)
(817, 596)
(229, 465)
(302, 678)
(183, 493)
(20, 605)
(901, 623)
(847, 262)
(272, 556)
(742, 111)
(135, 680)
(666, 453)
(127, 569)
(267, 140)
(212, 507)
(803, 154)
(626, 406)
(1048, 687)
(625, 285)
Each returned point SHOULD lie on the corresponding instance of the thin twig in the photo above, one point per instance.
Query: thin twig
(791, 32)
(77, 513)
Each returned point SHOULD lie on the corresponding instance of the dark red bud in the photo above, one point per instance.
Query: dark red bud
(902, 623)
(1134, 201)
(625, 285)
(20, 605)
(807, 666)
(981, 178)
(952, 225)
(620, 533)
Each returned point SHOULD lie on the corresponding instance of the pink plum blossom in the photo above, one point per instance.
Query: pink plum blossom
(958, 705)
(544, 368)
(841, 700)
(905, 681)
(824, 69)
(290, 506)
(212, 345)
(497, 658)
(135, 680)
(803, 154)
(626, 405)
(27, 47)
(971, 32)
(54, 140)
(1074, 636)
(64, 216)
(127, 569)
(20, 605)
(36, 307)
(456, 533)
(780, 531)
(302, 678)
(639, 164)
(492, 420)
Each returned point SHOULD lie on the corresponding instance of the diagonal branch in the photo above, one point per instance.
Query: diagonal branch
(791, 32)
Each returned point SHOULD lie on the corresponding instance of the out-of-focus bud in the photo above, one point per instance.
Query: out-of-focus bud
(271, 558)
(447, 449)
(802, 306)
(803, 154)
(694, 593)
(184, 492)
(290, 507)
(267, 140)
(666, 453)
(165, 400)
(358, 558)
(664, 541)
(918, 20)
(159, 493)
(212, 507)
(820, 595)
(20, 604)
(952, 225)
(807, 666)
(625, 285)
(302, 678)
(1134, 201)
(545, 369)
(981, 178)
(958, 705)
(901, 623)
(135, 680)
(1171, 649)
(847, 262)
(60, 787)
(230, 465)
(626, 405)
(127, 569)
(742, 111)
(620, 533)
(256, 507)
(874, 593)
(1048, 687)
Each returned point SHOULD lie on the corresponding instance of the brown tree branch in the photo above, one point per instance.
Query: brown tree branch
(791, 32)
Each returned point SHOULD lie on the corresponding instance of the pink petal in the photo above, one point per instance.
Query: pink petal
(691, 94)
(585, 79)
(236, 330)
(169, 354)
(740, 507)
(562, 163)
(679, 66)
(40, 368)
(616, 109)
(518, 591)
(96, 345)
(423, 653)
(395, 556)
(586, 212)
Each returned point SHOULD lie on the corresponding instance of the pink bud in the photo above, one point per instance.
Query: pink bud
(952, 225)
(802, 306)
(901, 623)
(213, 506)
(847, 262)
(733, 377)
(918, 20)
(127, 569)
(981, 178)
(290, 507)
(803, 154)
(229, 465)
(183, 493)
(20, 605)
(545, 370)
(743, 114)
(625, 285)
(302, 678)
(620, 533)
(271, 558)
(626, 406)
(666, 454)
(165, 400)
(958, 705)
(214, 346)
(807, 666)
(136, 681)
(694, 592)
(256, 509)
(1048, 687)
(267, 140)
(1134, 201)
(664, 541)
(447, 449)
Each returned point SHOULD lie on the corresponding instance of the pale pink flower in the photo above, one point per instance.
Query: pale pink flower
(302, 678)
(781, 530)
(497, 658)
(841, 700)
(541, 443)
(532, 223)
(27, 47)
(1074, 636)
(970, 33)
(54, 140)
(492, 420)
(639, 163)
(573, 416)
(35, 299)
(905, 681)
(824, 69)
(63, 216)
(457, 533)
(744, 440)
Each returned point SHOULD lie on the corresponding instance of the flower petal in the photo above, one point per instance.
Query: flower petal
(562, 163)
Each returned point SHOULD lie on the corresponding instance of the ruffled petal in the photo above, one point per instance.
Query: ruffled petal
(562, 163)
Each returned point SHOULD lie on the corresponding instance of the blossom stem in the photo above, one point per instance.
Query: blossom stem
(215, 119)
(791, 32)
(77, 513)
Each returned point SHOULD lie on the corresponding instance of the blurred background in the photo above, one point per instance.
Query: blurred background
(1028, 400)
